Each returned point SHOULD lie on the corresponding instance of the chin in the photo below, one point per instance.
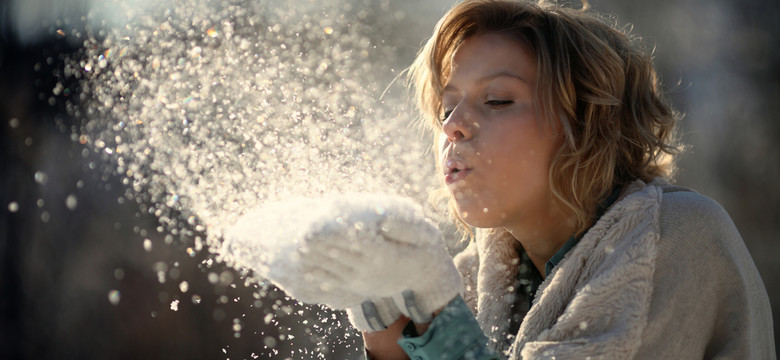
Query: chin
(482, 223)
(476, 216)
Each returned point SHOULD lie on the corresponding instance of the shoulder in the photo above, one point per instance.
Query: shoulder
(685, 209)
(696, 232)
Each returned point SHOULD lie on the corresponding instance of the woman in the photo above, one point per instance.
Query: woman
(555, 142)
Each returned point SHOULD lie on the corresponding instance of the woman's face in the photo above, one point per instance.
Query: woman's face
(494, 153)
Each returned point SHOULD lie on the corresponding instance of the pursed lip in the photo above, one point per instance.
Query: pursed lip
(454, 171)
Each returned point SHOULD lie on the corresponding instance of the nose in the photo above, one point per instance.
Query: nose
(457, 125)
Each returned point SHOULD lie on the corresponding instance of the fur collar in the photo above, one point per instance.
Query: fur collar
(601, 290)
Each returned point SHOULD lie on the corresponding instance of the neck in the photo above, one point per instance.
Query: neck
(543, 236)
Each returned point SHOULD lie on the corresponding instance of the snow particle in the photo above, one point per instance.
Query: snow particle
(114, 297)
(269, 342)
(71, 202)
(213, 278)
(184, 286)
(41, 177)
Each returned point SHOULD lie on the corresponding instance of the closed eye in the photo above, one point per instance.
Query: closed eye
(494, 103)
(498, 102)
(446, 115)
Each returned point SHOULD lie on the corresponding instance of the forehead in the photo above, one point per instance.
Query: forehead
(488, 53)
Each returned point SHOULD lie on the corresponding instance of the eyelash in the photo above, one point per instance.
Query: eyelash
(489, 102)
(446, 115)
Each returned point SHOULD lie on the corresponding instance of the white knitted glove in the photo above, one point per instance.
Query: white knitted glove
(376, 256)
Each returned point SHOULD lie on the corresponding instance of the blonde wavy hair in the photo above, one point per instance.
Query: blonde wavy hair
(595, 83)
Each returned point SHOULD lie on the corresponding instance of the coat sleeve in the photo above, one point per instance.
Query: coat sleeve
(708, 298)
(453, 334)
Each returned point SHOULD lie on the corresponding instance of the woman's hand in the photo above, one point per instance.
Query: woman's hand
(375, 255)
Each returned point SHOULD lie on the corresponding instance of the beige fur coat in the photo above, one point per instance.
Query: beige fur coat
(663, 274)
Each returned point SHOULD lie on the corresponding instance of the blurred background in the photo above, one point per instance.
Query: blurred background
(80, 267)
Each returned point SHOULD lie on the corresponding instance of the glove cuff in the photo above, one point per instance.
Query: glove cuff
(374, 315)
(420, 306)
(431, 293)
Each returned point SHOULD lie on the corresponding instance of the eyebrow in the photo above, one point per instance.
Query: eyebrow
(488, 77)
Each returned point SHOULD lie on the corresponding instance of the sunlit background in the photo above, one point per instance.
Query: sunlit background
(133, 132)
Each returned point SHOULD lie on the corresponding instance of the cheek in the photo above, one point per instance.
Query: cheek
(521, 171)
